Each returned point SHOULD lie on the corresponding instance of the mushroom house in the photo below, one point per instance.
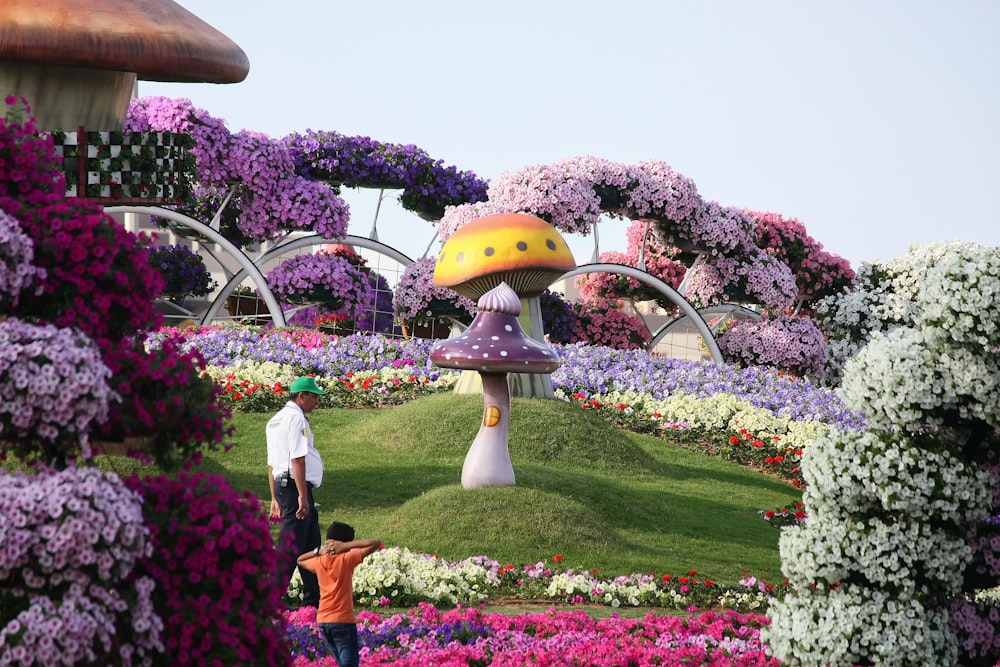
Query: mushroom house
(76, 63)
(522, 251)
(494, 345)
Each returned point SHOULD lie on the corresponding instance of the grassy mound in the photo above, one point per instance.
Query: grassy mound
(602, 497)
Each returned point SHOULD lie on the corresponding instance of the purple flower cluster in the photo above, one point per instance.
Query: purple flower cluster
(17, 263)
(559, 321)
(599, 370)
(788, 343)
(275, 196)
(183, 271)
(53, 384)
(355, 161)
(322, 277)
(754, 277)
(416, 293)
(70, 587)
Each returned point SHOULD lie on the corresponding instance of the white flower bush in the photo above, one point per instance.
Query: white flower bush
(899, 475)
(884, 298)
(886, 550)
(852, 625)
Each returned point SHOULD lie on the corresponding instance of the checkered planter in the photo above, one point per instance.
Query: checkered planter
(126, 167)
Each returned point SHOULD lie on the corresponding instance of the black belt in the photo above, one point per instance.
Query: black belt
(289, 476)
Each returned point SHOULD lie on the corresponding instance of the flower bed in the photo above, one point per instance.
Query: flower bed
(427, 636)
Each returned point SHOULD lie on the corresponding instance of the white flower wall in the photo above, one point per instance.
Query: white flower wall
(885, 569)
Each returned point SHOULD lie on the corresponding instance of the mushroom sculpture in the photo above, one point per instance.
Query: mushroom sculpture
(495, 345)
(77, 62)
(518, 249)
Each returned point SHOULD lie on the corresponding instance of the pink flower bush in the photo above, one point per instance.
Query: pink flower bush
(787, 343)
(166, 402)
(213, 562)
(603, 323)
(70, 589)
(97, 274)
(659, 262)
(818, 273)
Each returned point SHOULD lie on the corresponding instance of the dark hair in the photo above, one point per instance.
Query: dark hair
(340, 532)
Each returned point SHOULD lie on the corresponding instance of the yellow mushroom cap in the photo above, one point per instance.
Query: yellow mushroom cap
(520, 249)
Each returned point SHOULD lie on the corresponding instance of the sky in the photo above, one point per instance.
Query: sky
(876, 124)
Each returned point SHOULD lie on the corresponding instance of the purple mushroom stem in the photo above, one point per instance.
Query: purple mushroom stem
(495, 345)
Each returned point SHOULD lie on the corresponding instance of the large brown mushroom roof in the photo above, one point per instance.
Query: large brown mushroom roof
(158, 40)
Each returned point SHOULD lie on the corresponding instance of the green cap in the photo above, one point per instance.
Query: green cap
(305, 383)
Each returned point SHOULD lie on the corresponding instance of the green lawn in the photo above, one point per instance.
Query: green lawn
(602, 497)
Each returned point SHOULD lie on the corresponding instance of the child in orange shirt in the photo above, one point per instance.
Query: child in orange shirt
(334, 563)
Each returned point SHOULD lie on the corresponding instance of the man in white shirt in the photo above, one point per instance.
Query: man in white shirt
(294, 469)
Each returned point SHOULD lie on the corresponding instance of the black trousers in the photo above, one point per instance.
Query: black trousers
(297, 537)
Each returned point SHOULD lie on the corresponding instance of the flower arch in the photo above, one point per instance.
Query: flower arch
(573, 194)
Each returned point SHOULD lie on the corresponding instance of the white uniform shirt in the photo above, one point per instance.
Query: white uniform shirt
(289, 437)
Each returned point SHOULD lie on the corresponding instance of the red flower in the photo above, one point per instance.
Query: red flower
(734, 440)
(557, 558)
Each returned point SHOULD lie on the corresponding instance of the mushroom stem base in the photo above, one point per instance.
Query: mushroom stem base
(488, 461)
(63, 98)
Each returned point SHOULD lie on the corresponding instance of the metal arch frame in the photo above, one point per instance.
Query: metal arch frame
(664, 289)
(295, 244)
(721, 309)
(249, 268)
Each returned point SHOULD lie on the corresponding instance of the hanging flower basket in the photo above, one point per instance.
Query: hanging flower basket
(126, 167)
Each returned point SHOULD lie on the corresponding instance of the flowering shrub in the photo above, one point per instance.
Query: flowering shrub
(169, 410)
(658, 260)
(792, 344)
(213, 562)
(71, 589)
(884, 298)
(818, 273)
(559, 322)
(97, 274)
(886, 550)
(54, 388)
(329, 279)
(183, 271)
(753, 277)
(417, 300)
(603, 323)
(428, 185)
(376, 316)
(274, 196)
